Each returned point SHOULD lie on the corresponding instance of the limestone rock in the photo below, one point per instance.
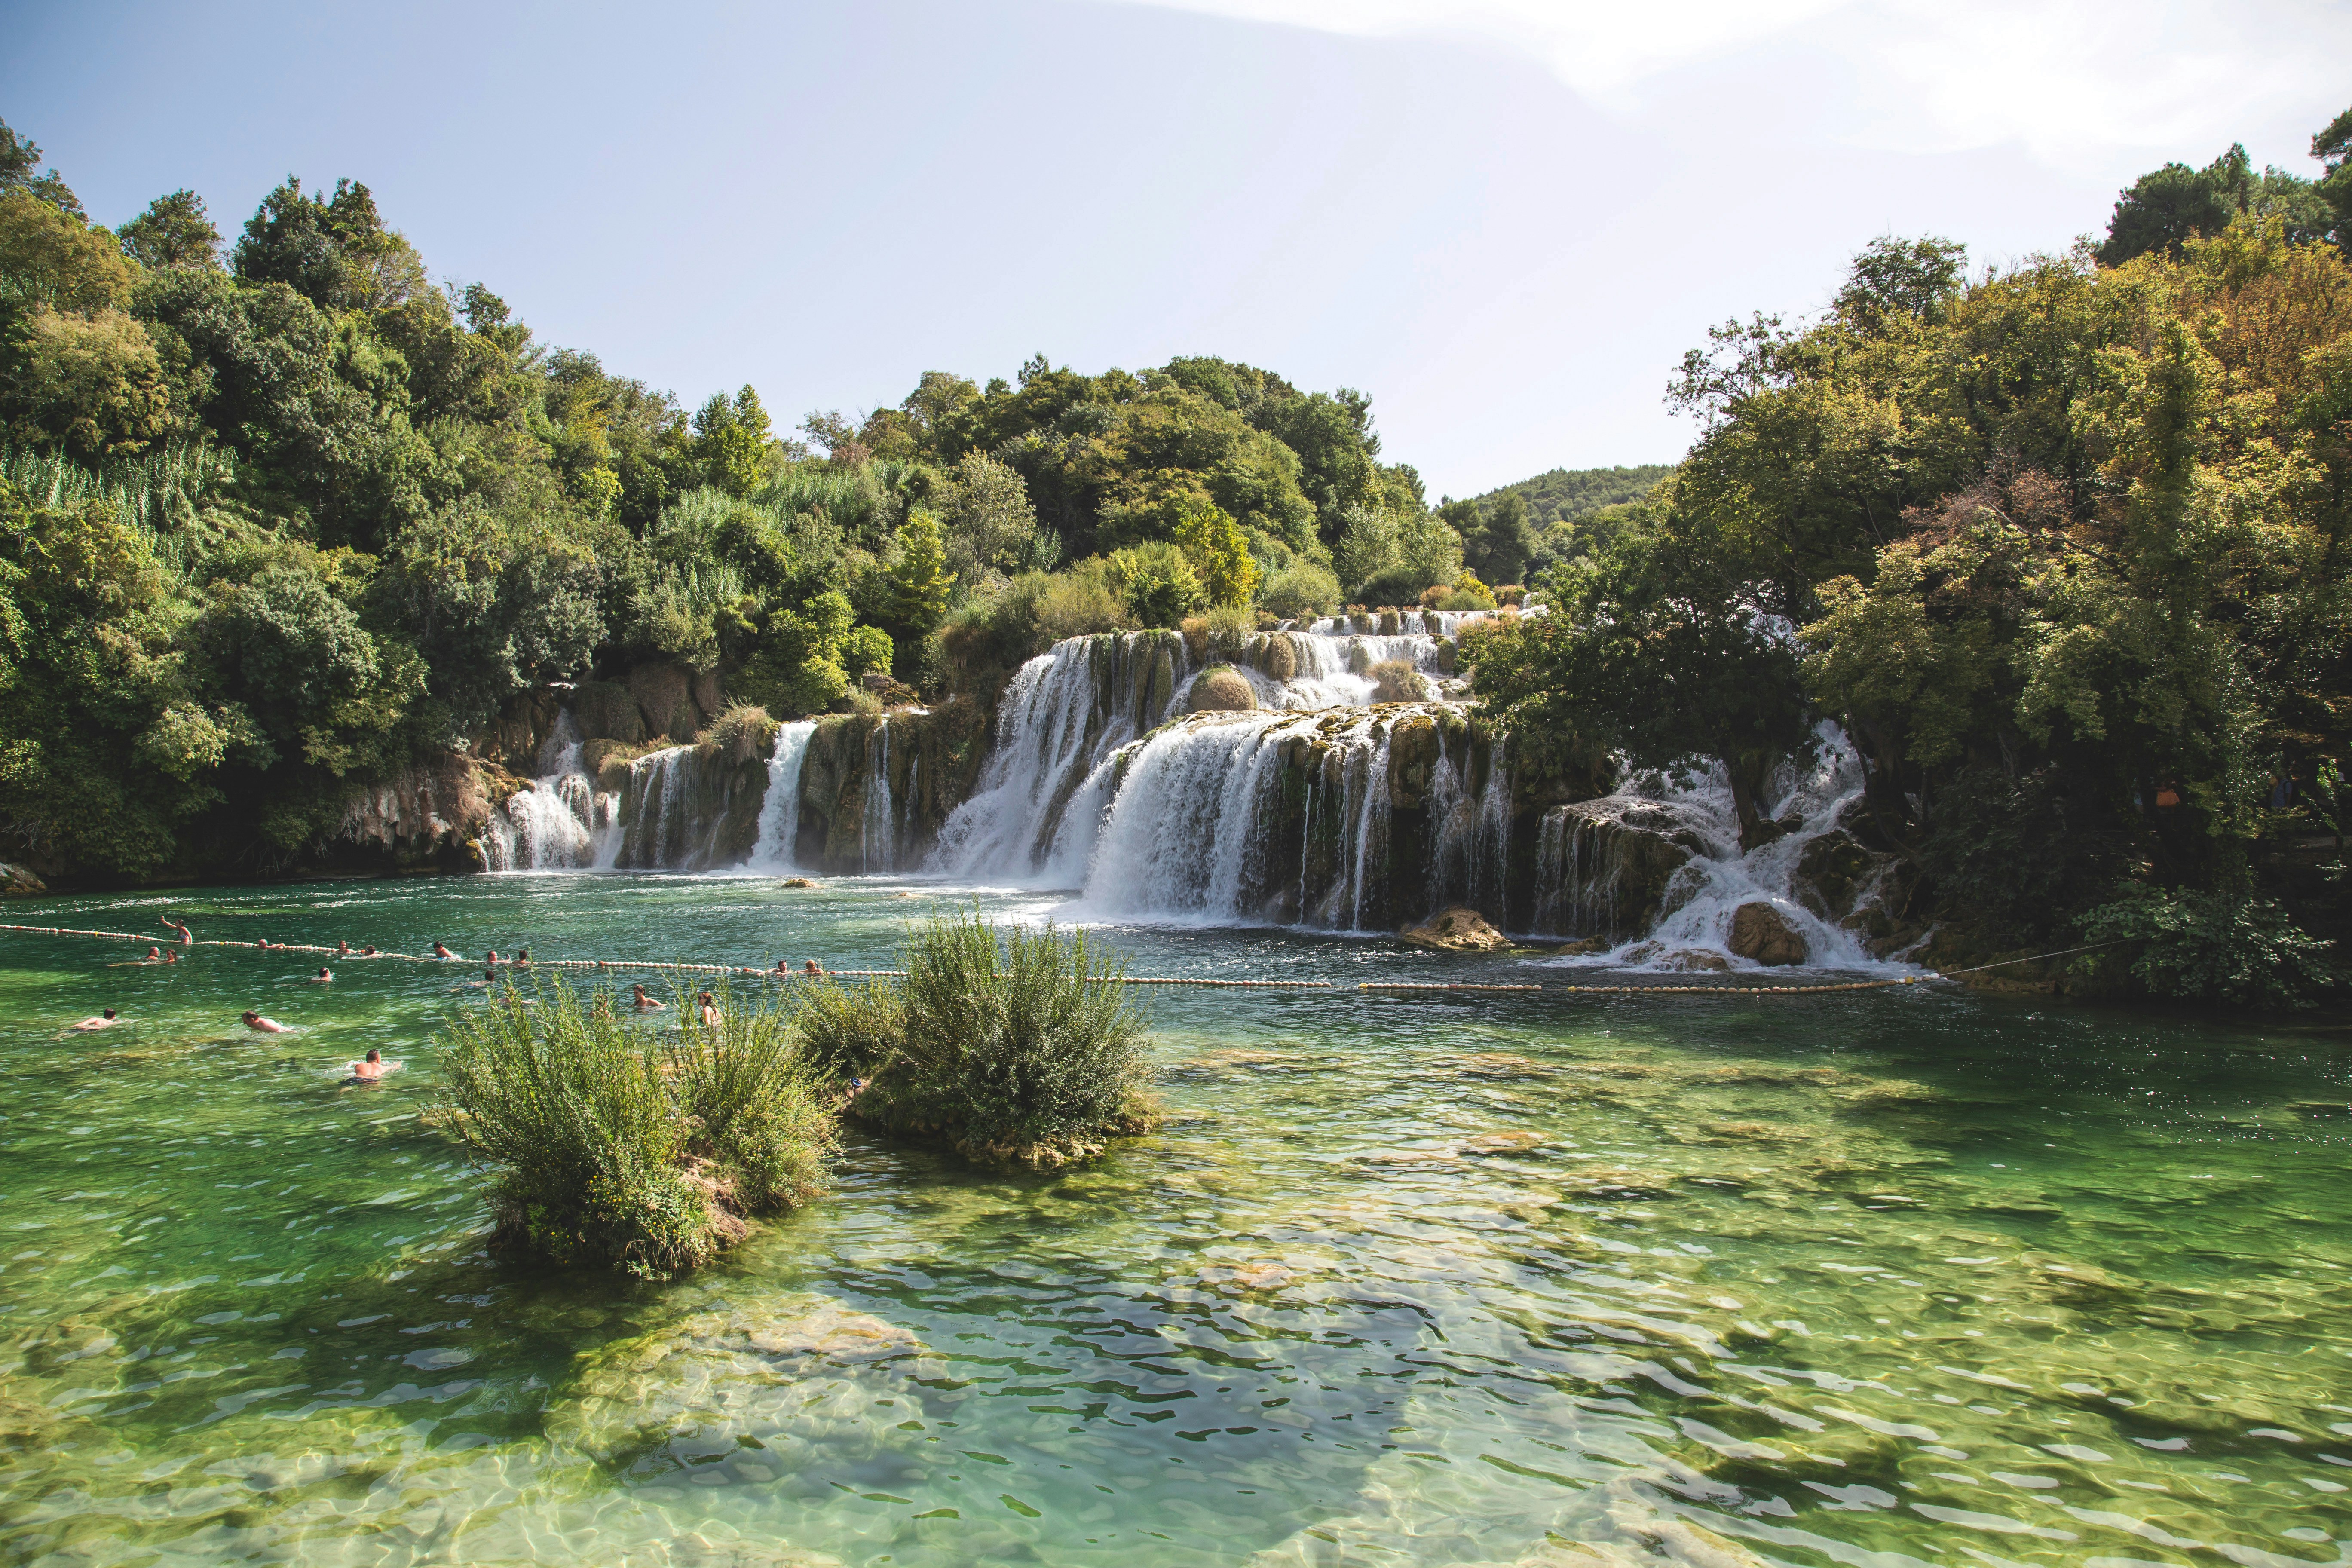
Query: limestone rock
(607, 712)
(798, 883)
(1278, 657)
(1456, 930)
(1763, 933)
(1832, 871)
(1221, 689)
(1694, 961)
(1396, 681)
(664, 695)
(1585, 948)
(1617, 861)
(717, 1373)
(19, 881)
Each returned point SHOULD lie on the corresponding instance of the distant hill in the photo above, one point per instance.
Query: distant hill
(1568, 494)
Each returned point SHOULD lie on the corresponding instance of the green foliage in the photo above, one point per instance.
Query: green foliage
(919, 580)
(19, 157)
(336, 253)
(2215, 948)
(608, 1148)
(1301, 589)
(2162, 211)
(999, 1039)
(1157, 584)
(172, 232)
(1220, 557)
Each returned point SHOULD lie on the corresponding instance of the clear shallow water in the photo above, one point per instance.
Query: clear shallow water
(1868, 1278)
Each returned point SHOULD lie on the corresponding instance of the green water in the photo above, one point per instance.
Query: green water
(1870, 1279)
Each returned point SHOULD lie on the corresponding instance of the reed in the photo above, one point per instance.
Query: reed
(612, 1145)
(1007, 1043)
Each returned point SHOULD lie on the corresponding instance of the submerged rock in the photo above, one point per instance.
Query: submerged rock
(1585, 948)
(716, 1373)
(798, 883)
(1456, 930)
(1763, 933)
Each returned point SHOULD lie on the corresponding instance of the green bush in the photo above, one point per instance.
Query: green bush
(612, 1147)
(2206, 947)
(1300, 589)
(1000, 1041)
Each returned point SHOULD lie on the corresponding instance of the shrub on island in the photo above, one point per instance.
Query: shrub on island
(1013, 1047)
(610, 1146)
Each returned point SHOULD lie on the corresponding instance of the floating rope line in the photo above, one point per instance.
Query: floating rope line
(1731, 988)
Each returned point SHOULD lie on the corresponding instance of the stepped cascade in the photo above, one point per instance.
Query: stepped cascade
(1331, 774)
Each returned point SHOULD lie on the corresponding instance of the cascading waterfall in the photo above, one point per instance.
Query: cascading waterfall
(779, 810)
(877, 822)
(555, 821)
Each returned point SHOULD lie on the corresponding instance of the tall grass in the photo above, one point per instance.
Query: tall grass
(611, 1144)
(155, 491)
(1003, 1041)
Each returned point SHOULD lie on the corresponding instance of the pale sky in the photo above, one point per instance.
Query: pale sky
(1504, 221)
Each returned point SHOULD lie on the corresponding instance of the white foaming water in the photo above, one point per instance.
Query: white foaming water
(780, 809)
(878, 823)
(1703, 896)
(554, 822)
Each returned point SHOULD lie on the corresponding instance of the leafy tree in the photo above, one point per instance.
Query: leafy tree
(1657, 651)
(919, 580)
(1213, 543)
(731, 441)
(172, 232)
(335, 253)
(1157, 583)
(49, 258)
(19, 157)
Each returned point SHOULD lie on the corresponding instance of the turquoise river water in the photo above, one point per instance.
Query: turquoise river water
(1872, 1279)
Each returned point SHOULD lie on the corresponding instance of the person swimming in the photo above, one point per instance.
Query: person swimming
(154, 955)
(709, 1010)
(645, 1003)
(105, 1020)
(811, 968)
(179, 926)
(325, 976)
(262, 1026)
(368, 952)
(375, 1067)
(441, 949)
(343, 948)
(523, 957)
(171, 957)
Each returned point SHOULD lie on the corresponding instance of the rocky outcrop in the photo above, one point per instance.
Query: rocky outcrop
(1606, 867)
(19, 881)
(874, 788)
(1221, 690)
(1396, 681)
(1761, 933)
(427, 816)
(1867, 891)
(1457, 930)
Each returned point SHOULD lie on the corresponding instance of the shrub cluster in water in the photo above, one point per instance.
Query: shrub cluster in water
(614, 1145)
(1009, 1045)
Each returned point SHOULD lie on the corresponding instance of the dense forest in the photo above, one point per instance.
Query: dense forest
(281, 515)
(2064, 549)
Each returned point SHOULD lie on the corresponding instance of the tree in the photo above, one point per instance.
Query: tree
(50, 258)
(1219, 554)
(336, 253)
(172, 232)
(1656, 652)
(731, 441)
(18, 158)
(2333, 148)
(1901, 279)
(919, 581)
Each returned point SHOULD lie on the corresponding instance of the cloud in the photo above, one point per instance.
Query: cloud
(2072, 84)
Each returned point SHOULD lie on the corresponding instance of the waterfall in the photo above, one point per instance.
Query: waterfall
(553, 822)
(779, 810)
(1590, 865)
(1065, 713)
(877, 821)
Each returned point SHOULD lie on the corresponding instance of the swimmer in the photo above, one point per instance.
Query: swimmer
(523, 957)
(487, 979)
(811, 968)
(494, 956)
(170, 957)
(375, 1067)
(154, 955)
(645, 1003)
(368, 952)
(783, 966)
(262, 1026)
(105, 1020)
(178, 926)
(441, 949)
(709, 1011)
(343, 948)
(324, 977)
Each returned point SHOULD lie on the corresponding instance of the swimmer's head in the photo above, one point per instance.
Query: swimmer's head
(106, 1011)
(374, 1055)
(322, 972)
(249, 1017)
